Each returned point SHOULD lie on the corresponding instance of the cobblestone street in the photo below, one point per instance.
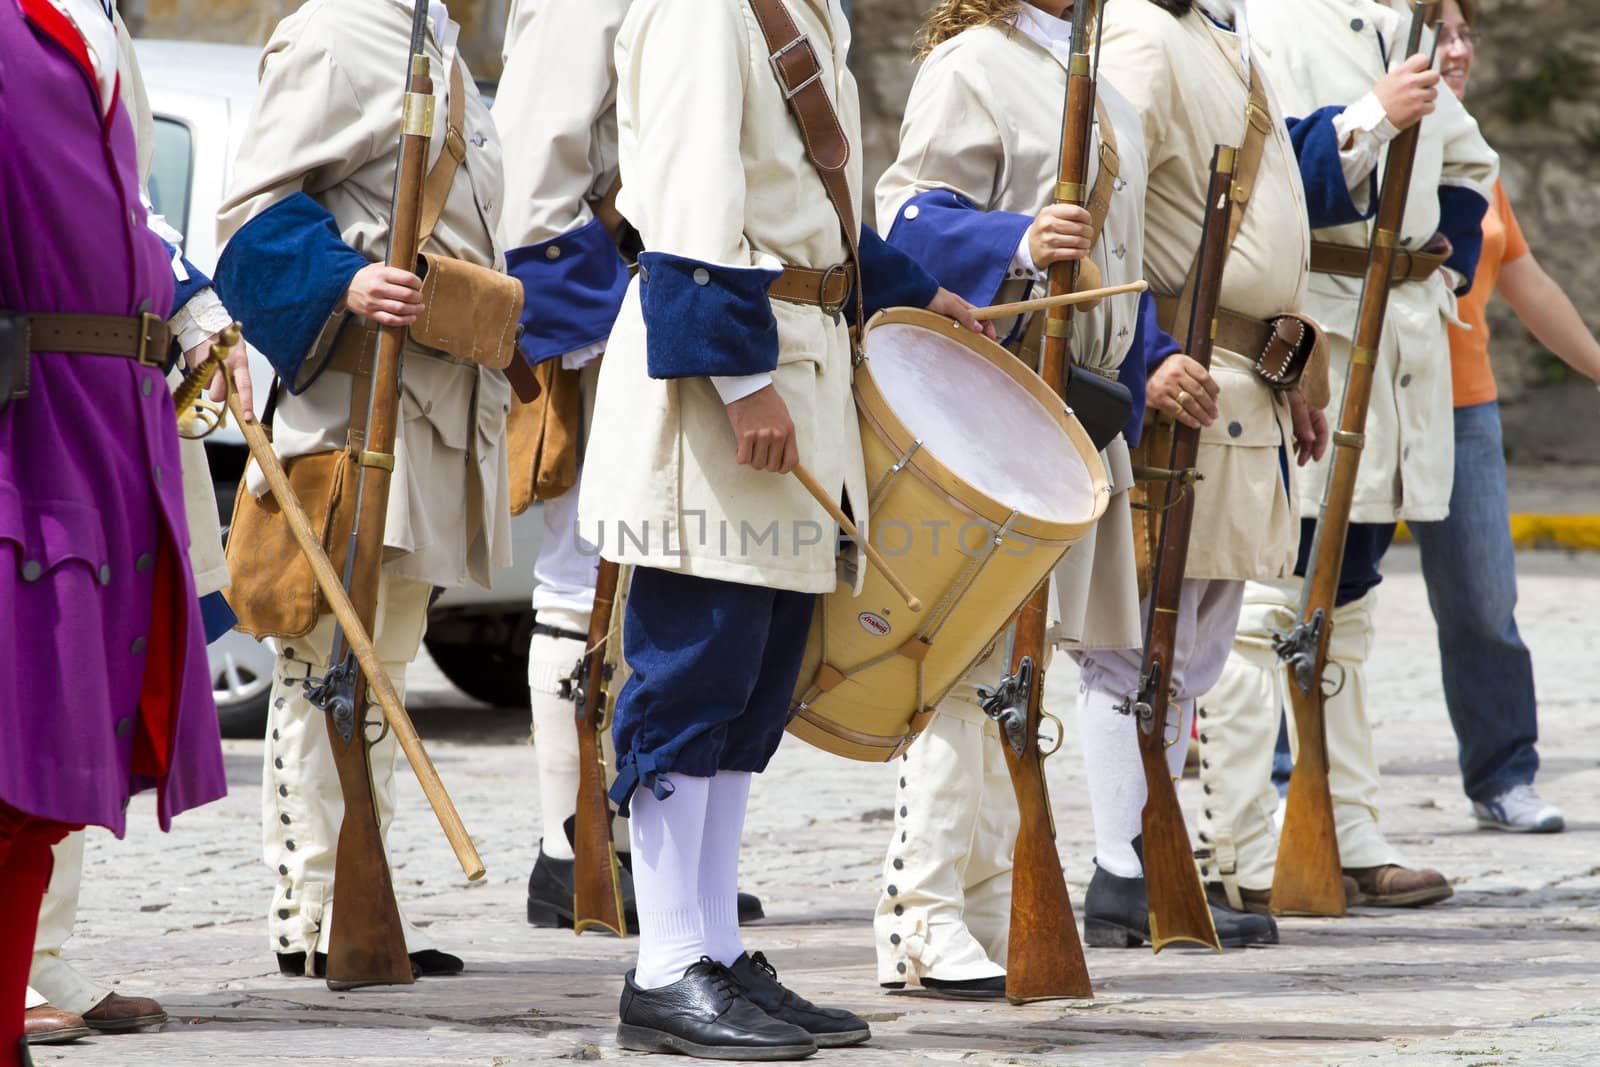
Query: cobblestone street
(1504, 973)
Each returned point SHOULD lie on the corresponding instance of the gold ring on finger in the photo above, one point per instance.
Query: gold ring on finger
(1182, 395)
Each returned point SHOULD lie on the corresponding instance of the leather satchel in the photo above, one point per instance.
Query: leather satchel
(1296, 354)
(471, 312)
(542, 437)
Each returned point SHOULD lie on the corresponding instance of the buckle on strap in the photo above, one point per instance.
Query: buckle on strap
(776, 59)
(152, 327)
(834, 307)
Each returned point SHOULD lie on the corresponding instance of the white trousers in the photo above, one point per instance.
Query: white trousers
(945, 910)
(301, 805)
(1239, 729)
(50, 977)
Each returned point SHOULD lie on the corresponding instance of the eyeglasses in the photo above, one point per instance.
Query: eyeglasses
(1463, 36)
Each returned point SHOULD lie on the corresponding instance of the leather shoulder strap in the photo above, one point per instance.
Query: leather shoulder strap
(800, 75)
(1252, 147)
(1110, 163)
(436, 188)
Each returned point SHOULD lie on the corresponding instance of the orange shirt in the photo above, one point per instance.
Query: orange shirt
(1469, 349)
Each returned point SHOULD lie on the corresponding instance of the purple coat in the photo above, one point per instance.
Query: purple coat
(90, 484)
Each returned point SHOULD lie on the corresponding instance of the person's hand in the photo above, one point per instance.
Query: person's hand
(951, 306)
(1060, 231)
(1310, 429)
(386, 295)
(1182, 389)
(1408, 91)
(765, 433)
(236, 366)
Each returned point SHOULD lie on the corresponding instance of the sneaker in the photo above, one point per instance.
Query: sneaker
(1520, 810)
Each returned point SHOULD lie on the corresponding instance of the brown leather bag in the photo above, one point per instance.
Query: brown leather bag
(273, 590)
(542, 437)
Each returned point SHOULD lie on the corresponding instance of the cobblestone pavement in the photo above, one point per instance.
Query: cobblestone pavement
(1504, 973)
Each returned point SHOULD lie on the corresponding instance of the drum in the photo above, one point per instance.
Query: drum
(980, 480)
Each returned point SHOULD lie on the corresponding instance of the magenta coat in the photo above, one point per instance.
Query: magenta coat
(90, 485)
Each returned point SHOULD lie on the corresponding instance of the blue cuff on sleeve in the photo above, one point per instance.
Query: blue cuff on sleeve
(967, 250)
(216, 615)
(1316, 147)
(573, 286)
(890, 278)
(281, 276)
(705, 318)
(1461, 214)
(1151, 345)
(184, 290)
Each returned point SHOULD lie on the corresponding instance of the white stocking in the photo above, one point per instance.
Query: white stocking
(1116, 780)
(667, 838)
(719, 865)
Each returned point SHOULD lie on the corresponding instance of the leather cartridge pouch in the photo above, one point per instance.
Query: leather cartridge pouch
(542, 437)
(1296, 354)
(472, 312)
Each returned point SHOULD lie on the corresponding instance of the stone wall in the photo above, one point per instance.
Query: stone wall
(1536, 91)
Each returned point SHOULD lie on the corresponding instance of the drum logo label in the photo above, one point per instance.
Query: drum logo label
(874, 624)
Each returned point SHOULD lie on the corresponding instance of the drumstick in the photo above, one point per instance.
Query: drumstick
(1022, 307)
(873, 555)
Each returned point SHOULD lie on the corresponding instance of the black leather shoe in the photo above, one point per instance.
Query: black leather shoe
(706, 1013)
(430, 961)
(1116, 915)
(967, 988)
(828, 1027)
(550, 893)
(293, 965)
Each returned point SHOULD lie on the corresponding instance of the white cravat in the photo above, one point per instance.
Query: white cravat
(1048, 32)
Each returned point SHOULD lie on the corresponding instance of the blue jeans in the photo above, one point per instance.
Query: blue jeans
(1469, 565)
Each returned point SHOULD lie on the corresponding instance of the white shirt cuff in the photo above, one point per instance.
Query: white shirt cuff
(734, 387)
(579, 358)
(1022, 265)
(201, 317)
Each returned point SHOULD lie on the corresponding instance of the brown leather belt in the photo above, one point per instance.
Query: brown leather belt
(144, 338)
(1350, 261)
(826, 289)
(1237, 333)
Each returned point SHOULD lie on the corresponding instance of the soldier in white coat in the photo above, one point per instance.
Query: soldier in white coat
(710, 392)
(1337, 56)
(979, 155)
(308, 215)
(557, 113)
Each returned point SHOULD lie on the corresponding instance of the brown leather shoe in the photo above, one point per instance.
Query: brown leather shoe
(117, 1013)
(1259, 901)
(1393, 886)
(45, 1025)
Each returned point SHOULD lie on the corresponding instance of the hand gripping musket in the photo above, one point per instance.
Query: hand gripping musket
(1176, 898)
(596, 880)
(1044, 958)
(367, 946)
(1307, 879)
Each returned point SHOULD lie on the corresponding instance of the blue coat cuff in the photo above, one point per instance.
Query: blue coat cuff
(573, 287)
(968, 251)
(1316, 147)
(706, 318)
(184, 290)
(281, 276)
(1461, 214)
(890, 278)
(1151, 345)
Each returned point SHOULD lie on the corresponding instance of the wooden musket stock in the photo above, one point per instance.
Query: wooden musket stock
(1308, 879)
(596, 880)
(1176, 897)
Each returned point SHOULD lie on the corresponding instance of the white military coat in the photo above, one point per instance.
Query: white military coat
(984, 122)
(327, 123)
(1330, 52)
(1189, 85)
(714, 169)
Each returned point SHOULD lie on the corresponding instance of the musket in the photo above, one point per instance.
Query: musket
(1044, 956)
(1175, 896)
(328, 581)
(367, 944)
(1307, 879)
(596, 880)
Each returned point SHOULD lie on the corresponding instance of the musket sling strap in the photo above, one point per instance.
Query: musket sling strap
(801, 77)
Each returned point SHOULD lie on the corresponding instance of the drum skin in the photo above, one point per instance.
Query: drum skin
(981, 480)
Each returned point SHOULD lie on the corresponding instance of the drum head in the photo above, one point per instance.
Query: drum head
(974, 414)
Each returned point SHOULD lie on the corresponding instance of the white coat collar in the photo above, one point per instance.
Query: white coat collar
(1048, 32)
(1230, 14)
(92, 19)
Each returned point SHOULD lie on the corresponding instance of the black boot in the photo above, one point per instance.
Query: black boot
(706, 1013)
(1116, 915)
(293, 965)
(430, 961)
(828, 1027)
(550, 892)
(992, 988)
